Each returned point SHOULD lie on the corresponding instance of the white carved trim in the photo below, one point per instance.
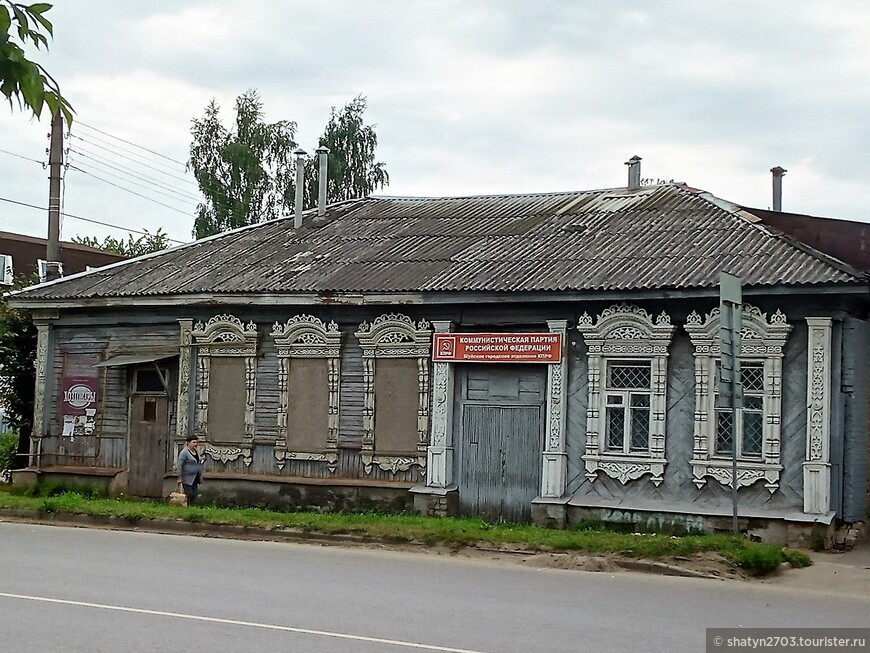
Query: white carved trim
(625, 468)
(748, 473)
(305, 336)
(817, 470)
(554, 461)
(439, 468)
(39, 402)
(395, 336)
(392, 464)
(182, 405)
(222, 454)
(226, 335)
(760, 340)
(625, 332)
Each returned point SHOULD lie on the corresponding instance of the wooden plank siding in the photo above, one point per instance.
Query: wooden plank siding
(678, 486)
(856, 361)
(108, 446)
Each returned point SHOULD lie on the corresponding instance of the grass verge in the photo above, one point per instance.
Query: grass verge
(755, 558)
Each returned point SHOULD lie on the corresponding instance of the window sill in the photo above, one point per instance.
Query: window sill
(748, 472)
(625, 468)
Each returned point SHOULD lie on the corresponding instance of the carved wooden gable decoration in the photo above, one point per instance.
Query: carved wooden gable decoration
(762, 341)
(395, 336)
(625, 334)
(305, 336)
(226, 336)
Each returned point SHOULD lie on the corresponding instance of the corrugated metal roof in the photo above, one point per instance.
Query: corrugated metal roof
(662, 237)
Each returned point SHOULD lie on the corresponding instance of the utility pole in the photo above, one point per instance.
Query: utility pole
(55, 163)
(730, 388)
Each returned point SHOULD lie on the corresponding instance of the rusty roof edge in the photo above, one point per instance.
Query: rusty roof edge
(756, 222)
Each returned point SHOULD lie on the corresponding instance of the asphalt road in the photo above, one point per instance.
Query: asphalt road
(70, 589)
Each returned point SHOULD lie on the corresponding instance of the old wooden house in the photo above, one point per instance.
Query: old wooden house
(572, 378)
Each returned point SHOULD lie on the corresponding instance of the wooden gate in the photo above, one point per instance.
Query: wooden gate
(149, 435)
(501, 423)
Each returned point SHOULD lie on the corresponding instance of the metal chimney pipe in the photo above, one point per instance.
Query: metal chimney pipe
(778, 174)
(322, 160)
(633, 172)
(300, 185)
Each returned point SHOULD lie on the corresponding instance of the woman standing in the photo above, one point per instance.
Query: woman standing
(190, 466)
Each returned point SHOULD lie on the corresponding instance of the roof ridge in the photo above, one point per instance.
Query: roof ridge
(497, 195)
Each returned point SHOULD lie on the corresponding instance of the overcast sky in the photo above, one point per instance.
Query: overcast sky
(469, 97)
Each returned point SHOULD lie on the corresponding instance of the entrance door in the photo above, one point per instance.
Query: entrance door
(501, 425)
(149, 435)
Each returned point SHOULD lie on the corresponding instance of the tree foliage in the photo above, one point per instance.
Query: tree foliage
(17, 368)
(148, 243)
(352, 169)
(245, 173)
(22, 80)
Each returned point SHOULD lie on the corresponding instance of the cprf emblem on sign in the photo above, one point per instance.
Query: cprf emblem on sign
(79, 396)
(446, 347)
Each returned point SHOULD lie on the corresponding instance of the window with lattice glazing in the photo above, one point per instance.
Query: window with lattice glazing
(750, 425)
(628, 406)
(759, 428)
(627, 371)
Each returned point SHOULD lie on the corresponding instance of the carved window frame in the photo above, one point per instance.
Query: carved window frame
(626, 333)
(394, 335)
(305, 336)
(226, 336)
(761, 341)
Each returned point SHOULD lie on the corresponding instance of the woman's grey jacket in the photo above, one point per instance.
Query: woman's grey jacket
(188, 467)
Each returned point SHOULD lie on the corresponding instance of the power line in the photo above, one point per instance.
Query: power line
(123, 156)
(163, 156)
(133, 173)
(91, 138)
(42, 163)
(78, 217)
(178, 195)
(132, 192)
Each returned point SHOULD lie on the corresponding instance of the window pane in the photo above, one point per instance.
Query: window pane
(149, 381)
(639, 400)
(630, 376)
(640, 427)
(615, 428)
(723, 432)
(614, 400)
(753, 433)
(752, 375)
(753, 402)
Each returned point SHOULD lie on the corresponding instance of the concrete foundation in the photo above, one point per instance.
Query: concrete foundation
(550, 513)
(436, 502)
(109, 481)
(325, 495)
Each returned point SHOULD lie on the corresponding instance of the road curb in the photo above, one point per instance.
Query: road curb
(201, 529)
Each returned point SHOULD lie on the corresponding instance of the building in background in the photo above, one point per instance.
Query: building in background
(24, 256)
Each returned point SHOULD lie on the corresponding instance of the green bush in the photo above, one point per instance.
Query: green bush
(797, 559)
(8, 448)
(760, 559)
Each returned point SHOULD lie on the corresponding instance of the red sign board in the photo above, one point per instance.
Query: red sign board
(497, 348)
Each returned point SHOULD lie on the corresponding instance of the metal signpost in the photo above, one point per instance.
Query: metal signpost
(730, 389)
